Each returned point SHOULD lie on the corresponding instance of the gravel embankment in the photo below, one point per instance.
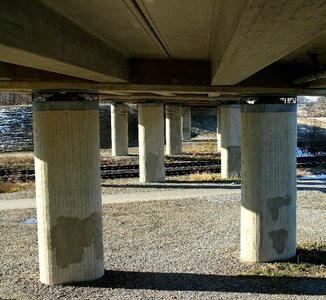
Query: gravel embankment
(182, 249)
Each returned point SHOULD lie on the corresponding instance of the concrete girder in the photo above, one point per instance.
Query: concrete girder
(252, 34)
(33, 35)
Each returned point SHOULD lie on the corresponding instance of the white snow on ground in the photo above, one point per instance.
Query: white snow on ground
(30, 221)
(303, 153)
(320, 176)
(306, 153)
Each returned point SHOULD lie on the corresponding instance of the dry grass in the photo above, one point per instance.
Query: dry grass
(17, 160)
(12, 187)
(209, 177)
(310, 261)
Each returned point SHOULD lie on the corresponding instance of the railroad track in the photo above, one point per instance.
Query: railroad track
(132, 170)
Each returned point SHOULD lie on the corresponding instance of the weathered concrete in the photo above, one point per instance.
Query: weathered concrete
(68, 191)
(173, 129)
(119, 129)
(268, 169)
(230, 140)
(218, 129)
(151, 142)
(186, 123)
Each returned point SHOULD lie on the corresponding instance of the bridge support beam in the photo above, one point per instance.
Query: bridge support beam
(119, 129)
(268, 188)
(151, 142)
(186, 123)
(230, 140)
(218, 129)
(173, 129)
(68, 190)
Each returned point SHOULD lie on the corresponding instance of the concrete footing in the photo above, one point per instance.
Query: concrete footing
(68, 190)
(173, 129)
(230, 140)
(268, 188)
(151, 142)
(119, 129)
(186, 123)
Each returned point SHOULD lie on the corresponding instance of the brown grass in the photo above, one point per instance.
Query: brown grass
(310, 261)
(209, 177)
(12, 187)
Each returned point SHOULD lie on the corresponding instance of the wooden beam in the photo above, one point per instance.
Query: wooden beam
(34, 36)
(252, 34)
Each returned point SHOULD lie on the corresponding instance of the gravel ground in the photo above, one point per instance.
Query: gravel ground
(181, 249)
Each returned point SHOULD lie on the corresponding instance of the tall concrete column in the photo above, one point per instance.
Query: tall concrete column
(151, 142)
(230, 140)
(268, 187)
(68, 189)
(119, 129)
(173, 129)
(218, 129)
(186, 123)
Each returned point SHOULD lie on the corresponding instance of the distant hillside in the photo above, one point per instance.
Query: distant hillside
(14, 99)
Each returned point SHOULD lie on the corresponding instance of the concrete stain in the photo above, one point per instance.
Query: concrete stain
(279, 238)
(71, 235)
(275, 204)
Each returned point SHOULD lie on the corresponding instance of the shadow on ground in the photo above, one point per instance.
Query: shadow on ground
(210, 283)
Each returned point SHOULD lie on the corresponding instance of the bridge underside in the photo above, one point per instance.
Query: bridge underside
(72, 53)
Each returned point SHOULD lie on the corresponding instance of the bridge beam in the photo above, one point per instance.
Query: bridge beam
(34, 36)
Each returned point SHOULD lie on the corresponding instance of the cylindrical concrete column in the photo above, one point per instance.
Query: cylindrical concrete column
(186, 123)
(218, 129)
(151, 142)
(68, 189)
(173, 129)
(230, 140)
(119, 129)
(268, 187)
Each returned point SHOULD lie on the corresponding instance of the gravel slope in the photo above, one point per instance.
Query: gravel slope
(181, 249)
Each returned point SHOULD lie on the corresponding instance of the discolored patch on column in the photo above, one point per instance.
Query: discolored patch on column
(275, 204)
(279, 238)
(71, 235)
(234, 160)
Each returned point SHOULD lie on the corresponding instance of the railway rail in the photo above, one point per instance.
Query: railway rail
(132, 170)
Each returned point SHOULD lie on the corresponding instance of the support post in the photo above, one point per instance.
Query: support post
(68, 189)
(268, 188)
(186, 123)
(230, 141)
(151, 142)
(218, 129)
(119, 129)
(173, 130)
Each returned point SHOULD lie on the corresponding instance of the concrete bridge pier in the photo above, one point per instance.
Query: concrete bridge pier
(151, 142)
(68, 190)
(218, 129)
(268, 188)
(119, 129)
(230, 140)
(186, 123)
(173, 129)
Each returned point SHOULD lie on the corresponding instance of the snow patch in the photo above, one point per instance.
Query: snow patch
(320, 176)
(30, 221)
